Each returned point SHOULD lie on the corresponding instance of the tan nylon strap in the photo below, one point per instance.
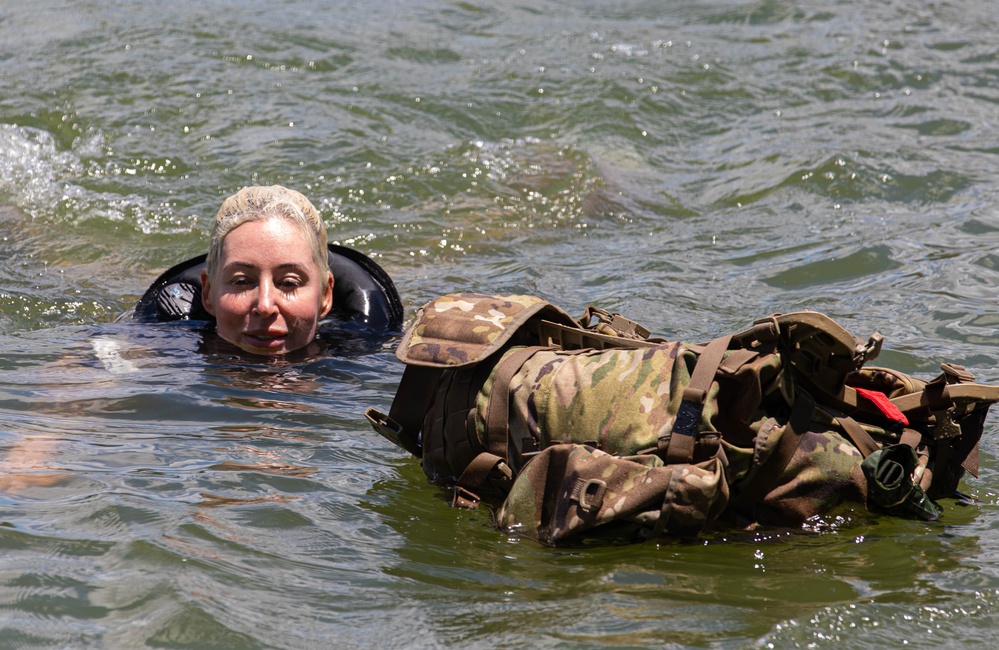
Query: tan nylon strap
(936, 396)
(971, 461)
(706, 367)
(476, 475)
(498, 408)
(858, 435)
(680, 448)
(911, 437)
(933, 396)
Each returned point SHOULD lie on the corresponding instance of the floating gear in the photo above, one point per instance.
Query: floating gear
(570, 425)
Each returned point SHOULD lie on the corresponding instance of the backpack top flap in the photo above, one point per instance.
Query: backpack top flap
(461, 329)
(820, 352)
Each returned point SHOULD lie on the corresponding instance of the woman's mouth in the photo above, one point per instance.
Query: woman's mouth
(266, 340)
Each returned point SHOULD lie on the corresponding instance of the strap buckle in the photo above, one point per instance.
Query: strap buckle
(463, 498)
(393, 432)
(589, 493)
(870, 350)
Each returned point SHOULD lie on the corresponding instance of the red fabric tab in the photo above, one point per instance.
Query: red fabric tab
(884, 405)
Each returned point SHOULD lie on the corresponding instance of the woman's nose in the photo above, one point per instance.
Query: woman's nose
(265, 304)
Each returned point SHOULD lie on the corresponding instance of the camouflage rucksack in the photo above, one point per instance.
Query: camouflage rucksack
(570, 424)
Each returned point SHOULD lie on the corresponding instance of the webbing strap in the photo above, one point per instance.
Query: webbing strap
(910, 437)
(769, 472)
(858, 435)
(475, 476)
(680, 445)
(934, 396)
(971, 461)
(409, 408)
(498, 407)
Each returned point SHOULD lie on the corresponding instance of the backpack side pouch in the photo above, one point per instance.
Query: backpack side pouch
(569, 488)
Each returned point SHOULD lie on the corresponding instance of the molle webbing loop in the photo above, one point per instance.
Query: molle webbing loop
(613, 324)
(679, 446)
(484, 468)
(561, 337)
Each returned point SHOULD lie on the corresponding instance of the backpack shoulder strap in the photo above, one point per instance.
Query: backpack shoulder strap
(679, 446)
(412, 399)
(493, 464)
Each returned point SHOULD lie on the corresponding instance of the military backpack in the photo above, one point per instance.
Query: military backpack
(582, 424)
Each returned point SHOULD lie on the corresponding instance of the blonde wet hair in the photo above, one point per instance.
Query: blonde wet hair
(257, 203)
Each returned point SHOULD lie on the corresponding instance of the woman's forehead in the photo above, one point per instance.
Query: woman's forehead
(276, 240)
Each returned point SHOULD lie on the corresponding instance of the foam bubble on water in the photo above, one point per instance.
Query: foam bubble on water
(32, 168)
(43, 181)
(629, 49)
(880, 623)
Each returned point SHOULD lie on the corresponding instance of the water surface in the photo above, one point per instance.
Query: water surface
(693, 164)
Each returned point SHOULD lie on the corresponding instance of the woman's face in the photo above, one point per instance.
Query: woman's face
(267, 293)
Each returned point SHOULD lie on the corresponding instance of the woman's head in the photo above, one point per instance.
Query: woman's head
(265, 202)
(267, 279)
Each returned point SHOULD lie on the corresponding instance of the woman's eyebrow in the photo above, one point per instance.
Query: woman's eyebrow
(237, 263)
(250, 265)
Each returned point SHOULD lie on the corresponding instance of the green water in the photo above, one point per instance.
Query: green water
(694, 165)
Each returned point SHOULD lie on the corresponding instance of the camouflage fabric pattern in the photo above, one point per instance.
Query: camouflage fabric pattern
(617, 400)
(463, 328)
(823, 473)
(580, 439)
(568, 489)
(622, 402)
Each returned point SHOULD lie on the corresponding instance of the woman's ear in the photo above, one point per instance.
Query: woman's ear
(206, 293)
(327, 302)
